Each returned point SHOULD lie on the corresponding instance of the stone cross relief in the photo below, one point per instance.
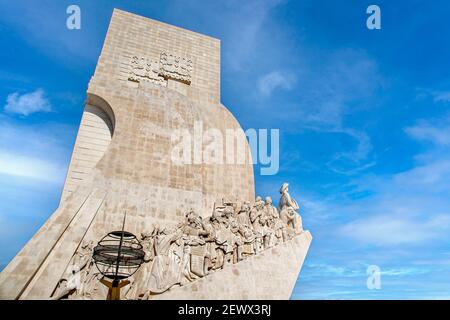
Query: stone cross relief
(158, 72)
(192, 249)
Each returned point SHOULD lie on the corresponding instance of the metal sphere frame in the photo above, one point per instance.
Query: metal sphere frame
(117, 256)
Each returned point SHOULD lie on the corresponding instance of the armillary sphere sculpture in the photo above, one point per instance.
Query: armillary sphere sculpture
(118, 255)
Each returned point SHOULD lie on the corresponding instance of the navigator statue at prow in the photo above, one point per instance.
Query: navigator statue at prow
(151, 80)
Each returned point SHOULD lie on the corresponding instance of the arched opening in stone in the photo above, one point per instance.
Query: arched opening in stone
(94, 136)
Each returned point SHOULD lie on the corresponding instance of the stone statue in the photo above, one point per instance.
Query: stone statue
(225, 242)
(194, 225)
(275, 222)
(165, 271)
(72, 285)
(217, 239)
(289, 210)
(234, 244)
(248, 241)
(243, 215)
(261, 229)
(142, 277)
(196, 233)
(69, 284)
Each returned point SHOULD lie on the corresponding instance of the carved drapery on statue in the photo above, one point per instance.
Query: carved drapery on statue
(192, 249)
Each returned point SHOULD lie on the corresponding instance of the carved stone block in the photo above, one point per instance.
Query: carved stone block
(143, 69)
(174, 67)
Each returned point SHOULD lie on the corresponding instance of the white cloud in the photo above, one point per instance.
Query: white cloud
(355, 160)
(333, 83)
(390, 230)
(405, 271)
(359, 270)
(30, 167)
(337, 84)
(248, 31)
(27, 103)
(333, 86)
(275, 80)
(437, 131)
(407, 208)
(38, 152)
(441, 96)
(326, 269)
(432, 177)
(247, 41)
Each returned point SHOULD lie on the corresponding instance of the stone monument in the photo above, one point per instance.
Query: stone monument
(203, 233)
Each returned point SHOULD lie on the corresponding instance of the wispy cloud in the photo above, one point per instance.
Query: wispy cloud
(244, 36)
(33, 162)
(33, 168)
(38, 152)
(340, 83)
(355, 160)
(405, 271)
(245, 41)
(327, 269)
(408, 207)
(441, 96)
(429, 177)
(390, 230)
(275, 80)
(435, 131)
(27, 103)
(360, 270)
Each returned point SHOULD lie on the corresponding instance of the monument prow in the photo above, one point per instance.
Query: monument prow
(269, 276)
(151, 81)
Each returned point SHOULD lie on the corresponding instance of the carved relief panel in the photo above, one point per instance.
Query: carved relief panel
(143, 69)
(157, 72)
(177, 68)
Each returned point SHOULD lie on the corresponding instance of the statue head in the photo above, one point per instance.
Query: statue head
(245, 206)
(268, 200)
(259, 203)
(284, 188)
(191, 216)
(169, 230)
(156, 229)
(145, 235)
(228, 211)
(218, 212)
(179, 233)
(75, 269)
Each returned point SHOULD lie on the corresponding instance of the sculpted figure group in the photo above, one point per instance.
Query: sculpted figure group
(193, 248)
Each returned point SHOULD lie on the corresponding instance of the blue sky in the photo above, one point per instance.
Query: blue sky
(363, 116)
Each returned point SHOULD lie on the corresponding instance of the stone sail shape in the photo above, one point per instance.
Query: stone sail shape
(151, 80)
(94, 136)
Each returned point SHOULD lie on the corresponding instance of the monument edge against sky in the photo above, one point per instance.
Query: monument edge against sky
(153, 79)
